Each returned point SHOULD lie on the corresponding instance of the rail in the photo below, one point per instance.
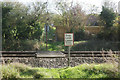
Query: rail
(73, 54)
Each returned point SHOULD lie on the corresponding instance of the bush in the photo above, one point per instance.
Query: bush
(21, 45)
(107, 16)
(108, 34)
(91, 71)
(108, 70)
(9, 73)
(96, 45)
(79, 35)
(39, 75)
(118, 27)
(20, 67)
(45, 74)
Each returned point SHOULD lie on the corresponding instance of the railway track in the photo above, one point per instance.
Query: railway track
(73, 53)
(57, 59)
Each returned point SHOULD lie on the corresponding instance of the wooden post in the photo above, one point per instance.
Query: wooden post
(68, 41)
(68, 56)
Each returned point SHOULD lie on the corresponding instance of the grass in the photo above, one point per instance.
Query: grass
(106, 70)
(90, 71)
(90, 45)
(58, 46)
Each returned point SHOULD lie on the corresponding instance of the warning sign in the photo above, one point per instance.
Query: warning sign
(68, 39)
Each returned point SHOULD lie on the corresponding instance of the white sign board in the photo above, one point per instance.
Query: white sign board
(119, 7)
(68, 39)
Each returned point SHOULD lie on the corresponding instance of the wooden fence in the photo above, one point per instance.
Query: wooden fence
(88, 29)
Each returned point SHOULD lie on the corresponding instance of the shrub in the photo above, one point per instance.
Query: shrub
(90, 71)
(9, 73)
(44, 74)
(21, 45)
(38, 75)
(108, 34)
(20, 67)
(107, 70)
(107, 16)
(118, 28)
(79, 35)
(95, 45)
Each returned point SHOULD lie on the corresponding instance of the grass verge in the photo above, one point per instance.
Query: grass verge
(106, 70)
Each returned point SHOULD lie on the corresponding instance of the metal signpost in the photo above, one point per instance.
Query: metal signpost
(46, 30)
(68, 41)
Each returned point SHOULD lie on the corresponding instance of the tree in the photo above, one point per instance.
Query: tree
(70, 15)
(107, 16)
(108, 13)
(20, 22)
(110, 5)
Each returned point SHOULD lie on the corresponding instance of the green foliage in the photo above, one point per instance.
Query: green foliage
(69, 16)
(105, 70)
(19, 22)
(96, 45)
(20, 67)
(9, 73)
(110, 21)
(107, 16)
(108, 34)
(21, 45)
(119, 32)
(90, 71)
(23, 26)
(50, 34)
(92, 45)
(79, 35)
(118, 27)
(37, 30)
(39, 75)
(112, 33)
(28, 45)
(46, 73)
(52, 46)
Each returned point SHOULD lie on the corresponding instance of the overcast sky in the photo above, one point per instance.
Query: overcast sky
(86, 4)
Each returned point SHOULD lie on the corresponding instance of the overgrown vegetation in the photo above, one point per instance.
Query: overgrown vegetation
(9, 73)
(16, 70)
(96, 45)
(21, 23)
(23, 26)
(86, 45)
(109, 20)
(107, 16)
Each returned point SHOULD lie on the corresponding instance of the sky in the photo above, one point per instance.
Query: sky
(87, 5)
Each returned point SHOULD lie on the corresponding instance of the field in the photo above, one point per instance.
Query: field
(17, 70)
